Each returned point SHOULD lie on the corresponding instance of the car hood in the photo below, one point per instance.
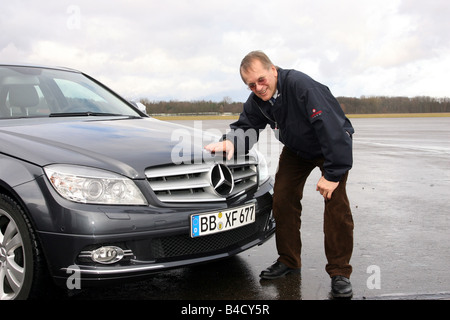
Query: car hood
(123, 145)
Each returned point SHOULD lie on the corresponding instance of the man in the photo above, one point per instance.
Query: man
(310, 123)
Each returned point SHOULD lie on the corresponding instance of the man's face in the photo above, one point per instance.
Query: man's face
(261, 81)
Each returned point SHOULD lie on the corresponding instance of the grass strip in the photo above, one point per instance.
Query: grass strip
(380, 115)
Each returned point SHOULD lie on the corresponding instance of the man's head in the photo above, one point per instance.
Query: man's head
(259, 74)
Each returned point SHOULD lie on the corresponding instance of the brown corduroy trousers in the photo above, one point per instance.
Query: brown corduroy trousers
(338, 221)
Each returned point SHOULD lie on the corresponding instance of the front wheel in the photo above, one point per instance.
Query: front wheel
(19, 258)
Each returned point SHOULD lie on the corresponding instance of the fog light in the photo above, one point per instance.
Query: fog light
(107, 255)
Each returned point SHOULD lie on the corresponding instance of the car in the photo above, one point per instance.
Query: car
(94, 191)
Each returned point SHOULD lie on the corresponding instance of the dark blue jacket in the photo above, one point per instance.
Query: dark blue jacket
(306, 118)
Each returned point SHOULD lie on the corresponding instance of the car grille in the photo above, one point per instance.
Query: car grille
(192, 182)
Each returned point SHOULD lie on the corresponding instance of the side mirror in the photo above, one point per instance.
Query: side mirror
(139, 106)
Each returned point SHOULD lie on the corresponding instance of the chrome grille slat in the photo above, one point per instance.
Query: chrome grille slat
(176, 170)
(192, 182)
(239, 175)
(179, 184)
(189, 198)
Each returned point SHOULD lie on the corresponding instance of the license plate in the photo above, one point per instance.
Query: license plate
(213, 222)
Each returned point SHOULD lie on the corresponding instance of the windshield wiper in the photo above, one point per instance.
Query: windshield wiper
(83, 114)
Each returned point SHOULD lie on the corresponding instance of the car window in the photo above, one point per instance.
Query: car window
(40, 92)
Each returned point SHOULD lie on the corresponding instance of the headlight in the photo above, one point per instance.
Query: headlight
(94, 186)
(263, 169)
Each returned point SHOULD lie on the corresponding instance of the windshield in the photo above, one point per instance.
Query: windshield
(39, 92)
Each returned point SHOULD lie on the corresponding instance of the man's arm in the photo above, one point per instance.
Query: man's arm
(333, 131)
(244, 132)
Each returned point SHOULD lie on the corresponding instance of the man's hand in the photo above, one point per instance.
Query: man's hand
(326, 187)
(223, 146)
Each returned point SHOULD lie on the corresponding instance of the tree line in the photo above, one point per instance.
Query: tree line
(374, 105)
(362, 105)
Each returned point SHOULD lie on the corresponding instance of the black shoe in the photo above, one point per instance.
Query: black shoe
(277, 270)
(341, 287)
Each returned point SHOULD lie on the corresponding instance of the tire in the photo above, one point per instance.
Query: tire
(21, 266)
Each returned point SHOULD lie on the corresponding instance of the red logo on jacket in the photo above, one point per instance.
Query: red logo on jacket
(315, 113)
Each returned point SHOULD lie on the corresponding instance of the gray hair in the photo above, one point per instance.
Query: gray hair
(251, 57)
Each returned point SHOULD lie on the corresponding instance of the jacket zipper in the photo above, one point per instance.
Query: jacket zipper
(268, 118)
(277, 131)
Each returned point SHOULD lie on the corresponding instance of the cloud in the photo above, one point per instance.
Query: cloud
(191, 50)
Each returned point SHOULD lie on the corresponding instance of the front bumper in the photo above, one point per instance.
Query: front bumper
(154, 241)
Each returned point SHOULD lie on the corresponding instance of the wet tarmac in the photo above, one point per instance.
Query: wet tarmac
(399, 190)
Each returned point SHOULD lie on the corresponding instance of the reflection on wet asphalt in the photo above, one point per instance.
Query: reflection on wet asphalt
(230, 279)
(398, 191)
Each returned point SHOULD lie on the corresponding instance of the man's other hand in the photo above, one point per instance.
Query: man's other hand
(326, 187)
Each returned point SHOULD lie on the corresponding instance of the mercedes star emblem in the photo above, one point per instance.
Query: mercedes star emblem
(222, 180)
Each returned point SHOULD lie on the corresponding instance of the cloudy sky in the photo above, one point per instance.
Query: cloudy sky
(191, 50)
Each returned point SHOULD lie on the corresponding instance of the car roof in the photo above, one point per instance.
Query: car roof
(27, 65)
